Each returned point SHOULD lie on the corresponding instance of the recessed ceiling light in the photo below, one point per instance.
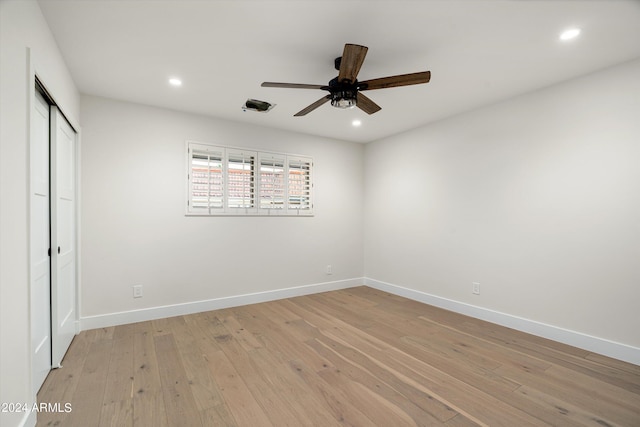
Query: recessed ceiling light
(175, 82)
(569, 34)
(356, 123)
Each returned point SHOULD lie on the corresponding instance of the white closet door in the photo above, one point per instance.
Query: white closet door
(40, 243)
(63, 235)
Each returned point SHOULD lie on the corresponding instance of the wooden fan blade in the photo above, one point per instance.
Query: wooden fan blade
(367, 105)
(395, 81)
(292, 85)
(352, 59)
(313, 106)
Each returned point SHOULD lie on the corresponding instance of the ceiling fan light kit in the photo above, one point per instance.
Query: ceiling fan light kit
(344, 90)
(346, 98)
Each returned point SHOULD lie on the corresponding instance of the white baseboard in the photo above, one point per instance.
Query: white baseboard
(125, 317)
(576, 339)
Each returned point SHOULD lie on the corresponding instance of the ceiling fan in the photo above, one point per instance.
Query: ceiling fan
(344, 90)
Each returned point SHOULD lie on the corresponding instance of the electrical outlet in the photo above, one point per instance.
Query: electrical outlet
(476, 288)
(137, 291)
(329, 269)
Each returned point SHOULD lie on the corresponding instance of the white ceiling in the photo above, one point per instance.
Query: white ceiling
(479, 52)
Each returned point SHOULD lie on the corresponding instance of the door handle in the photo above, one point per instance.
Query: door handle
(58, 250)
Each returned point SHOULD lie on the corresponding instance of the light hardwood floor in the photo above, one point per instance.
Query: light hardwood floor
(356, 357)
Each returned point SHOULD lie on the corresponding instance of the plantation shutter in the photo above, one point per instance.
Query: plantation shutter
(272, 183)
(240, 180)
(299, 185)
(206, 179)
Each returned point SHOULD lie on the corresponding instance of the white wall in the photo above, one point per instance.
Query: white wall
(22, 26)
(537, 198)
(134, 230)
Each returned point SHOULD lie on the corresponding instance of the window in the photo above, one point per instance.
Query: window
(235, 181)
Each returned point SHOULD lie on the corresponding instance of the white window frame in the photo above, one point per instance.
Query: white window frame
(296, 197)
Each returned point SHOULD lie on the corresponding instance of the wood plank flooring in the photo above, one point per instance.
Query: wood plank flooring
(355, 357)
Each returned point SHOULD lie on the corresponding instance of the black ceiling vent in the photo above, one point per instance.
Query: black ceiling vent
(256, 105)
